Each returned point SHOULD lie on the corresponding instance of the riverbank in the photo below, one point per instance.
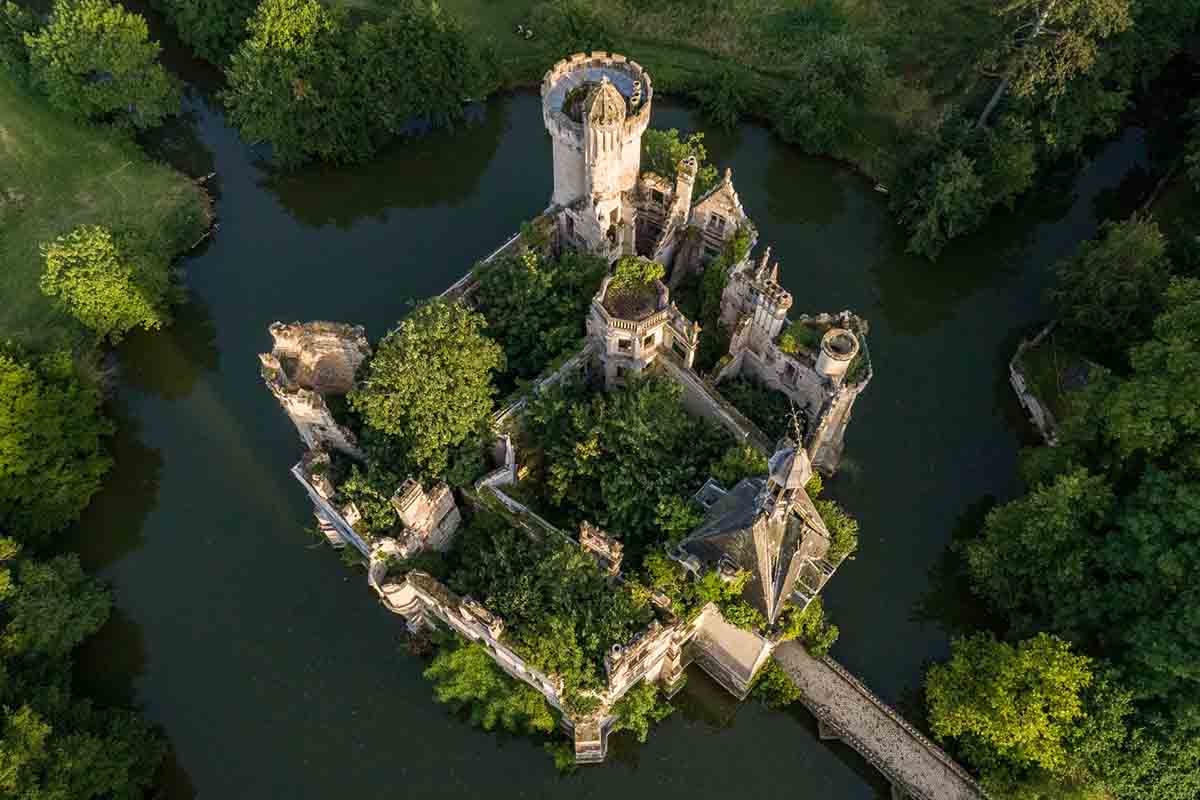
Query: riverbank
(56, 174)
(742, 56)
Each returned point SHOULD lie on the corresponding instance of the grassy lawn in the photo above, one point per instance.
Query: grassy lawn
(55, 174)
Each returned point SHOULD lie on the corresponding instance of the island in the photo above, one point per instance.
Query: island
(723, 579)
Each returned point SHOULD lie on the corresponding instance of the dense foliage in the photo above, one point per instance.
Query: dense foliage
(838, 75)
(810, 626)
(560, 611)
(766, 408)
(428, 387)
(212, 28)
(95, 60)
(535, 306)
(466, 678)
(772, 686)
(1099, 553)
(53, 745)
(738, 463)
(662, 150)
(1013, 704)
(316, 87)
(639, 709)
(52, 438)
(89, 274)
(958, 174)
(714, 337)
(611, 458)
(1107, 294)
(634, 274)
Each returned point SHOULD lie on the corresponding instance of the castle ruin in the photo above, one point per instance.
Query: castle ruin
(596, 108)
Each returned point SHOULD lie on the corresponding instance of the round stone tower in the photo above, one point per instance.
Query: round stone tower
(596, 108)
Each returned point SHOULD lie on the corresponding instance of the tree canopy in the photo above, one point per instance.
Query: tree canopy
(51, 744)
(212, 28)
(52, 437)
(1016, 703)
(429, 384)
(316, 87)
(1099, 553)
(94, 59)
(95, 281)
(467, 679)
(535, 305)
(1107, 294)
(611, 458)
(662, 150)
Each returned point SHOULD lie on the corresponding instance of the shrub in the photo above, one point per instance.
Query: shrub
(843, 530)
(639, 709)
(772, 686)
(95, 282)
(809, 626)
(635, 274)
(465, 678)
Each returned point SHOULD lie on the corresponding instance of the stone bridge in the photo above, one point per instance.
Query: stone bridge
(846, 710)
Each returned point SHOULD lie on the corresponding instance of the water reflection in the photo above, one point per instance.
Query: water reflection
(167, 363)
(439, 168)
(111, 525)
(789, 193)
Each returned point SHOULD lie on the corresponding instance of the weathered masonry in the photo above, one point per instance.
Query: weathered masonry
(596, 107)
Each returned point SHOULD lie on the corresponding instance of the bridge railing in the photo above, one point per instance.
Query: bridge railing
(929, 745)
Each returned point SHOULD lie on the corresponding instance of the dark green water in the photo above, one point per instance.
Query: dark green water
(270, 665)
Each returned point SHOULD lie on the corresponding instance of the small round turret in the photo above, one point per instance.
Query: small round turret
(839, 346)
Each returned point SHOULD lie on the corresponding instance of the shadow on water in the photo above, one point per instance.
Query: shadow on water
(111, 527)
(169, 362)
(440, 167)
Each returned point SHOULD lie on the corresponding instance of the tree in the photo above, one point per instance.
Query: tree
(291, 83)
(1053, 41)
(640, 709)
(95, 60)
(15, 23)
(212, 28)
(1107, 294)
(465, 677)
(662, 150)
(635, 274)
(429, 384)
(52, 745)
(949, 202)
(415, 64)
(611, 458)
(535, 306)
(94, 280)
(835, 76)
(676, 517)
(1006, 704)
(52, 455)
(317, 87)
(54, 607)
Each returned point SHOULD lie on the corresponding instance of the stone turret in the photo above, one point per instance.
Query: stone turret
(307, 362)
(596, 108)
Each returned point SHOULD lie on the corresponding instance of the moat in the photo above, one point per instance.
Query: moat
(240, 634)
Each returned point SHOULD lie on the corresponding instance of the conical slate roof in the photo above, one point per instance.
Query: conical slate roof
(770, 528)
